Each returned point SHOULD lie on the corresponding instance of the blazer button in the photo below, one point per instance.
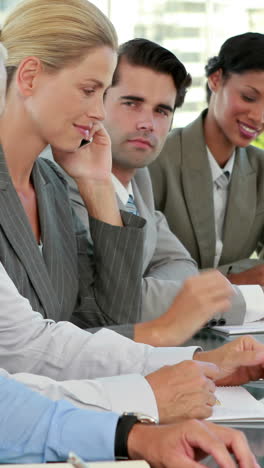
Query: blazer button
(213, 323)
(221, 321)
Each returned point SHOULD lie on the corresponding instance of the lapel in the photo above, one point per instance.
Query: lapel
(16, 226)
(144, 199)
(241, 207)
(198, 189)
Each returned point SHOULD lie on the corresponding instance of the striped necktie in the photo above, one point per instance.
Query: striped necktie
(131, 206)
(223, 180)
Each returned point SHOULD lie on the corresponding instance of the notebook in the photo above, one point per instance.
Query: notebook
(236, 404)
(245, 329)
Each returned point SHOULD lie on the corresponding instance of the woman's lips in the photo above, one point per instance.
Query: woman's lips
(248, 131)
(84, 131)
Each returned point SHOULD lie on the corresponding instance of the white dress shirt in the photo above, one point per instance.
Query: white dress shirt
(63, 351)
(220, 194)
(122, 192)
(253, 294)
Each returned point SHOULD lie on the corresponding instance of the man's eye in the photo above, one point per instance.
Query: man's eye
(129, 103)
(163, 112)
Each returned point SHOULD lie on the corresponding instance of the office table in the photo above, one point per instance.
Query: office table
(210, 339)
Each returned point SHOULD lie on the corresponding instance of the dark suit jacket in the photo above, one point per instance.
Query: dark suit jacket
(65, 282)
(183, 191)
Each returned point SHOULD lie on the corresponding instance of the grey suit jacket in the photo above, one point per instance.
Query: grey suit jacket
(65, 282)
(183, 191)
(166, 263)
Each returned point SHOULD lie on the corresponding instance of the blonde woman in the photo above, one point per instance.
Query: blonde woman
(61, 57)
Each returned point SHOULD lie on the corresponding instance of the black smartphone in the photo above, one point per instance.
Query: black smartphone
(84, 142)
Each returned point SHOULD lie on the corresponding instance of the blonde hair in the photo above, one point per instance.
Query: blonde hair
(56, 31)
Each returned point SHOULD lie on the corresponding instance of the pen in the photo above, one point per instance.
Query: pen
(76, 461)
(229, 270)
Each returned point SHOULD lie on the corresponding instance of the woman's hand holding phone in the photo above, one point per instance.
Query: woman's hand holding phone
(92, 161)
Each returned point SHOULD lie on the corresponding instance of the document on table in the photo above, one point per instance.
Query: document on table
(236, 404)
(245, 329)
(110, 464)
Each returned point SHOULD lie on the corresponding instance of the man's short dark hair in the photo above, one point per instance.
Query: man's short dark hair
(145, 53)
(238, 54)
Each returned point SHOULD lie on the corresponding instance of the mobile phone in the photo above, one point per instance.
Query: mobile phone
(85, 142)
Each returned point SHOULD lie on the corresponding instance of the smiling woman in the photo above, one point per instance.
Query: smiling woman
(61, 58)
(212, 157)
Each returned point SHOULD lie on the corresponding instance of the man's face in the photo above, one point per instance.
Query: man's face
(139, 111)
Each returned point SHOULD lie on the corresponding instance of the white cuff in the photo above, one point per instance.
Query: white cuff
(160, 357)
(131, 393)
(254, 298)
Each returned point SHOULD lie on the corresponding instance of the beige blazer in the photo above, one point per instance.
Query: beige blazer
(183, 191)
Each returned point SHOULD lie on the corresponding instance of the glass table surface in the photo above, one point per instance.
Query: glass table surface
(210, 339)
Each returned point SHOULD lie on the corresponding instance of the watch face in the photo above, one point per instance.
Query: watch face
(143, 418)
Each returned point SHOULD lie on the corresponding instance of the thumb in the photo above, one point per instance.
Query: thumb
(249, 358)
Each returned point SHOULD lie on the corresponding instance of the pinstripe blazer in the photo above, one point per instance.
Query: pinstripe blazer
(65, 282)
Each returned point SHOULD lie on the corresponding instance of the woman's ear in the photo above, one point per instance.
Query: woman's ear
(215, 80)
(27, 75)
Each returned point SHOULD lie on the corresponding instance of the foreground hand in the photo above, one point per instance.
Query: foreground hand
(92, 161)
(253, 275)
(184, 391)
(200, 298)
(179, 445)
(239, 362)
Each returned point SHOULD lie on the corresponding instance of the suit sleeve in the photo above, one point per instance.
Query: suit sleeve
(170, 265)
(110, 271)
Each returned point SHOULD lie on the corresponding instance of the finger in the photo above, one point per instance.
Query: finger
(212, 445)
(209, 369)
(98, 132)
(211, 399)
(211, 386)
(248, 358)
(184, 462)
(238, 445)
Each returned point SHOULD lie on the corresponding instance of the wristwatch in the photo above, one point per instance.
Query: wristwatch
(124, 426)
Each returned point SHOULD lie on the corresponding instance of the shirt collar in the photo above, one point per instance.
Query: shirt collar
(216, 170)
(122, 191)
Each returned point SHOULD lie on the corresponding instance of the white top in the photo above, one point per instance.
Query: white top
(63, 351)
(253, 295)
(220, 193)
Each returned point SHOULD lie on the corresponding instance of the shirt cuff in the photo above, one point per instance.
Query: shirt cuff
(160, 357)
(254, 298)
(131, 393)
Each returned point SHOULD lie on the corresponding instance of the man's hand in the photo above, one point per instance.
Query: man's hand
(184, 391)
(200, 298)
(253, 275)
(239, 362)
(180, 445)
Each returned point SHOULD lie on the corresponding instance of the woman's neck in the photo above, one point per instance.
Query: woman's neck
(220, 147)
(21, 146)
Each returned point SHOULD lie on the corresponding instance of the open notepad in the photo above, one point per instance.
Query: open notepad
(236, 404)
(245, 329)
